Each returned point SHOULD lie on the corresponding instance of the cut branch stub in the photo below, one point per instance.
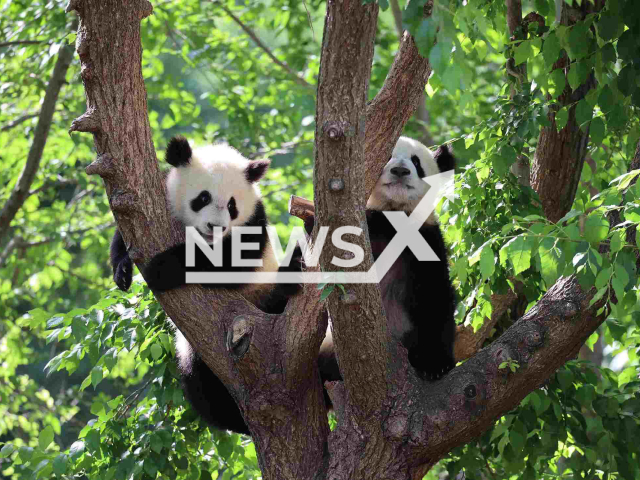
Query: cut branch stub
(239, 336)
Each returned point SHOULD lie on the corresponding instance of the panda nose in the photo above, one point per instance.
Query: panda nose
(400, 171)
(211, 226)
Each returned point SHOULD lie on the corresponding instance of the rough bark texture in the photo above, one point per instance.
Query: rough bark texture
(343, 83)
(394, 104)
(21, 190)
(560, 155)
(283, 409)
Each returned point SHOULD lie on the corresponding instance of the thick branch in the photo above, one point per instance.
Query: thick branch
(466, 402)
(21, 190)
(394, 104)
(265, 49)
(339, 171)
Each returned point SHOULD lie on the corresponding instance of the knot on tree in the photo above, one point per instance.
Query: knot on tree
(428, 8)
(239, 336)
(534, 336)
(120, 201)
(568, 309)
(349, 298)
(336, 184)
(87, 122)
(104, 166)
(468, 391)
(334, 131)
(503, 354)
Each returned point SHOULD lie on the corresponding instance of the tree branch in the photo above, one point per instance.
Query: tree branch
(340, 133)
(21, 190)
(264, 48)
(18, 121)
(21, 42)
(394, 104)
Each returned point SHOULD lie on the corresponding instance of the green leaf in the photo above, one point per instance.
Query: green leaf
(327, 291)
(46, 437)
(76, 449)
(608, 26)
(522, 52)
(628, 46)
(97, 407)
(156, 351)
(551, 49)
(60, 464)
(618, 239)
(558, 81)
(487, 262)
(602, 279)
(516, 440)
(627, 80)
(562, 116)
(96, 376)
(597, 131)
(606, 99)
(596, 228)
(583, 113)
(518, 251)
(7, 450)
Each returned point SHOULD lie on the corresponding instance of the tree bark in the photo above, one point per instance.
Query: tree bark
(21, 190)
(284, 409)
(559, 156)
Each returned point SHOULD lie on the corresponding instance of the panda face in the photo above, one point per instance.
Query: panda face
(401, 185)
(215, 188)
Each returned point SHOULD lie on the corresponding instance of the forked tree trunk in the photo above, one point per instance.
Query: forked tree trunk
(391, 424)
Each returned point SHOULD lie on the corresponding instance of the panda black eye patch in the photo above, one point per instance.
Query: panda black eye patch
(233, 210)
(202, 200)
(416, 163)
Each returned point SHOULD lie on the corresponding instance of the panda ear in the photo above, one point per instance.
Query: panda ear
(445, 159)
(256, 170)
(178, 152)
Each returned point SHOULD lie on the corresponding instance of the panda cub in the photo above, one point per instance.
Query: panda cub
(418, 296)
(209, 187)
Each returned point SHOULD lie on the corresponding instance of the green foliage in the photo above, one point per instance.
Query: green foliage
(109, 405)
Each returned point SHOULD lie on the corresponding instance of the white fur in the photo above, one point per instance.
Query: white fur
(219, 169)
(403, 194)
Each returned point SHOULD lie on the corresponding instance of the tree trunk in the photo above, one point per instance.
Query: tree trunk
(21, 190)
(559, 156)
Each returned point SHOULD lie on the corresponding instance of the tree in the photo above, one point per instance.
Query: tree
(560, 256)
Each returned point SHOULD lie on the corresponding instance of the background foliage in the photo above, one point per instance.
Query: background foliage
(87, 382)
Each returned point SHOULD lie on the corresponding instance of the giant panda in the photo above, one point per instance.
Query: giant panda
(208, 187)
(418, 296)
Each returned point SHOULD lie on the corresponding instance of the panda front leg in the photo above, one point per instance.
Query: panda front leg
(431, 350)
(121, 263)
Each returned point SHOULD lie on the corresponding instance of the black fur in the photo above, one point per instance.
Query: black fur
(256, 170)
(178, 152)
(426, 292)
(121, 263)
(444, 158)
(168, 269)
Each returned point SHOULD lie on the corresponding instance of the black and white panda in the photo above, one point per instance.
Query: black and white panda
(208, 187)
(418, 296)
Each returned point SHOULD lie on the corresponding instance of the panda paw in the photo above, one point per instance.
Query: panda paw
(123, 274)
(432, 365)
